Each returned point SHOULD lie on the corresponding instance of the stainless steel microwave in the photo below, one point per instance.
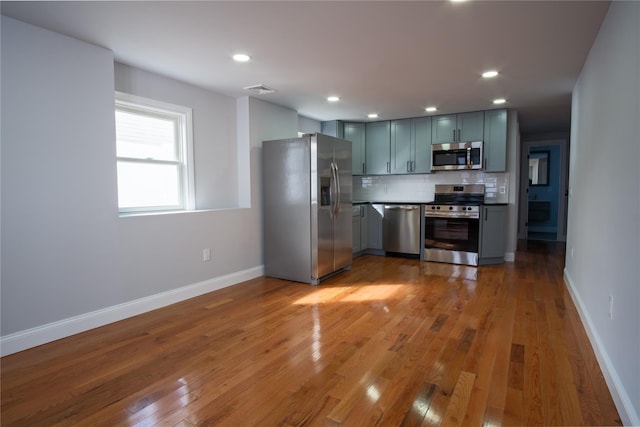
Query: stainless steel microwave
(456, 156)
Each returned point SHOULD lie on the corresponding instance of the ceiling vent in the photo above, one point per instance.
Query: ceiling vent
(260, 89)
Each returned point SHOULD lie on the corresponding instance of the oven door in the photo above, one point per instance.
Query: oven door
(453, 240)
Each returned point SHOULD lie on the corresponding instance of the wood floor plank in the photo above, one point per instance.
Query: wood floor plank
(392, 342)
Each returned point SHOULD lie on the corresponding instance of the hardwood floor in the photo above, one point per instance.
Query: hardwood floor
(393, 342)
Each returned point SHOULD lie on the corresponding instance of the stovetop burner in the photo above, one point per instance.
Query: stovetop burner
(458, 195)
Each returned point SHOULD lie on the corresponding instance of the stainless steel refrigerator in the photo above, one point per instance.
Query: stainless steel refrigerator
(307, 189)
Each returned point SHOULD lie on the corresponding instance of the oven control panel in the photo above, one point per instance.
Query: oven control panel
(452, 211)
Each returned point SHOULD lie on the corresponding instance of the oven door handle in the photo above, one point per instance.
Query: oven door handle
(452, 216)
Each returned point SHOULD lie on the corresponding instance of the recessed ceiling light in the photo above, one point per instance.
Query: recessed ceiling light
(430, 109)
(499, 101)
(489, 74)
(373, 116)
(333, 99)
(241, 57)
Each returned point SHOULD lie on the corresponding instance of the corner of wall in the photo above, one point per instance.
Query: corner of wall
(244, 152)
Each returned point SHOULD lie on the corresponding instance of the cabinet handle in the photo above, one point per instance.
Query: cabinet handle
(454, 135)
(388, 167)
(486, 214)
(363, 168)
(408, 166)
(413, 166)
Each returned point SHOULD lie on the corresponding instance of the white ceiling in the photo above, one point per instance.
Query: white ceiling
(390, 57)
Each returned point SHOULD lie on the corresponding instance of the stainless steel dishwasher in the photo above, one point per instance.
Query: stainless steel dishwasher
(401, 229)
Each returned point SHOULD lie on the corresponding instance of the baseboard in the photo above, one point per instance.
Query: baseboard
(39, 335)
(623, 403)
(510, 257)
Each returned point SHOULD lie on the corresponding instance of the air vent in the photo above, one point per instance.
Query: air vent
(260, 89)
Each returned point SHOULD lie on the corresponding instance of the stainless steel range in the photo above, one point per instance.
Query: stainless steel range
(452, 224)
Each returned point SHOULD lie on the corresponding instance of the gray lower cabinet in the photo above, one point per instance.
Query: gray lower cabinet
(493, 223)
(374, 226)
(360, 228)
(378, 148)
(411, 145)
(495, 141)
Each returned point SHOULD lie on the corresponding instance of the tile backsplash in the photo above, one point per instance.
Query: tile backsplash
(420, 188)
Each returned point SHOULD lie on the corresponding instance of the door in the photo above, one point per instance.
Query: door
(377, 147)
(543, 190)
(354, 132)
(421, 136)
(471, 126)
(342, 235)
(401, 153)
(322, 241)
(444, 129)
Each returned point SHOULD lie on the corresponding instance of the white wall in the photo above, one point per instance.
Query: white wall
(69, 263)
(603, 236)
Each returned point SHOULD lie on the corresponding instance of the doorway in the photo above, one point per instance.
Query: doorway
(543, 190)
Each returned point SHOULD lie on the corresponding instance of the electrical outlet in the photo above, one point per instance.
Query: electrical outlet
(206, 254)
(610, 307)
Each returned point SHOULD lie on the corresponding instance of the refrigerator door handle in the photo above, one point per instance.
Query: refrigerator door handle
(338, 192)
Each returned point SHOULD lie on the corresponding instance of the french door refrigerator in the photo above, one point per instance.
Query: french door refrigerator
(307, 190)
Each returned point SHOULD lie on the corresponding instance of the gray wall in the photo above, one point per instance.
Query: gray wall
(69, 262)
(214, 118)
(59, 197)
(603, 236)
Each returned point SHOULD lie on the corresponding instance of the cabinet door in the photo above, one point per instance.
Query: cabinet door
(492, 232)
(401, 147)
(421, 138)
(495, 141)
(377, 148)
(355, 236)
(332, 128)
(364, 227)
(471, 126)
(374, 226)
(443, 129)
(354, 132)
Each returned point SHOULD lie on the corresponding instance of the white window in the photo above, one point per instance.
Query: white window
(154, 153)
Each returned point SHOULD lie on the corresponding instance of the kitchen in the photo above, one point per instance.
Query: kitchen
(469, 228)
(126, 261)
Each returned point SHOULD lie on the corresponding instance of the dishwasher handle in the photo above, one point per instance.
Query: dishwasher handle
(402, 207)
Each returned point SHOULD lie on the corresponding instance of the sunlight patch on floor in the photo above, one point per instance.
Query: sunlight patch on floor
(350, 294)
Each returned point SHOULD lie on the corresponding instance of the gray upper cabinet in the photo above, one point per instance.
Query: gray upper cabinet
(332, 128)
(421, 136)
(462, 127)
(401, 148)
(495, 141)
(355, 133)
(378, 148)
(410, 145)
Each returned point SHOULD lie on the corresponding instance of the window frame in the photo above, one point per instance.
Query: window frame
(184, 145)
